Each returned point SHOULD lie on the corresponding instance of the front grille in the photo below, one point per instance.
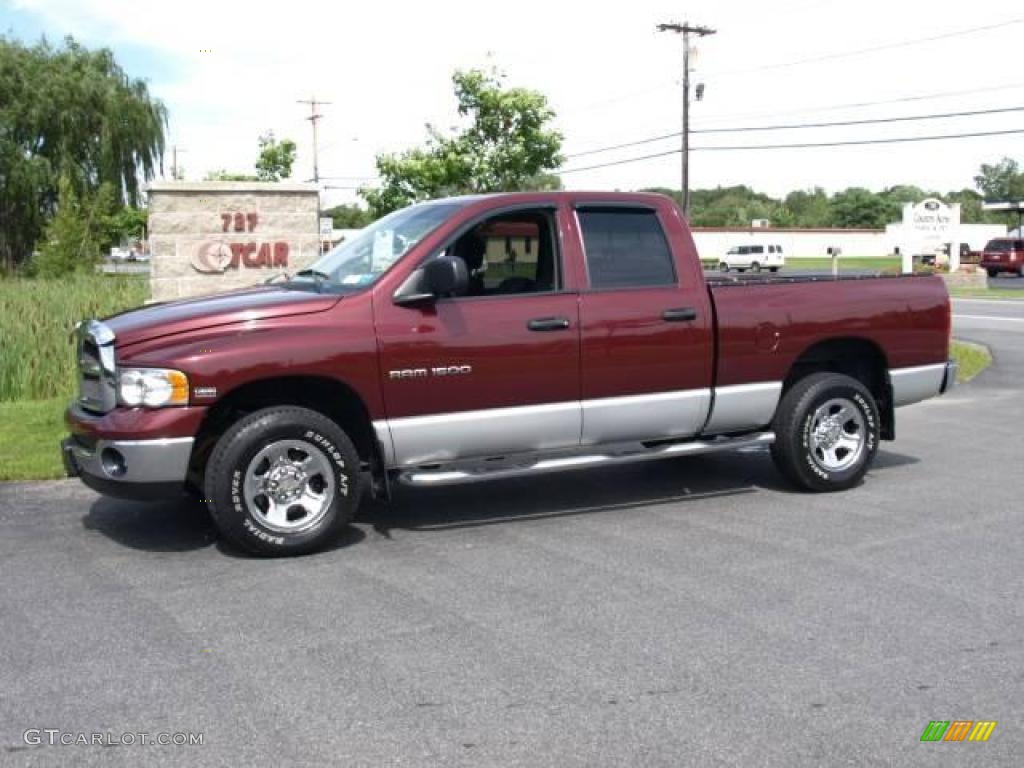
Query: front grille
(97, 373)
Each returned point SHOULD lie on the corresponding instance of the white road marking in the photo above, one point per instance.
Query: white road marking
(989, 317)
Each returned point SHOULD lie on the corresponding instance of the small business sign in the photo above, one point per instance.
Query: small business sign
(932, 220)
(215, 256)
(326, 228)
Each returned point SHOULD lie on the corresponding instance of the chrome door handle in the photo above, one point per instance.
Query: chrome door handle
(679, 315)
(548, 324)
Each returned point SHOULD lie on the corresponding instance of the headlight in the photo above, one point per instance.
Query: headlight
(152, 387)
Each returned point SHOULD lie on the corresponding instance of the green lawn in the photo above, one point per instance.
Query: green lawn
(31, 431)
(1009, 294)
(973, 359)
(30, 435)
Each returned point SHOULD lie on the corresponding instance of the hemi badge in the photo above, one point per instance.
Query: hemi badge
(204, 392)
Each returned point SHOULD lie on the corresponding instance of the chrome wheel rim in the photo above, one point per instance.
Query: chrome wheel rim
(838, 435)
(289, 486)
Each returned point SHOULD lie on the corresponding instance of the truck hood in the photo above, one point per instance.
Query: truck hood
(246, 305)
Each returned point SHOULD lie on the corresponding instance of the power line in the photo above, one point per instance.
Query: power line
(804, 145)
(811, 60)
(862, 104)
(871, 49)
(797, 126)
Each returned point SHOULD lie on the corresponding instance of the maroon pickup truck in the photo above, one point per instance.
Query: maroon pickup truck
(490, 337)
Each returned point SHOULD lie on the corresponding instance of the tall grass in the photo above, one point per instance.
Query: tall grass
(37, 358)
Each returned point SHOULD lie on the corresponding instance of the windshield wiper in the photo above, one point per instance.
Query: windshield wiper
(269, 280)
(319, 277)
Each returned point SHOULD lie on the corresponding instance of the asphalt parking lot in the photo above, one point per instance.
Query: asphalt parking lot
(686, 612)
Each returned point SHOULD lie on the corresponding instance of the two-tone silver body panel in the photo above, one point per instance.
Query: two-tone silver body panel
(912, 385)
(558, 428)
(540, 429)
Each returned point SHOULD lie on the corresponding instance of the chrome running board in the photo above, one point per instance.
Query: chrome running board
(469, 472)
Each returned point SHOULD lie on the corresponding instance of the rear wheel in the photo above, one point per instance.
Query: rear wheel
(283, 481)
(755, 267)
(773, 269)
(826, 432)
(992, 272)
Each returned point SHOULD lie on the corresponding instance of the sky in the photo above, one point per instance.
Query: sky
(230, 71)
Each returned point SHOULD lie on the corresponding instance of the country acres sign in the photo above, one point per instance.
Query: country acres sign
(932, 220)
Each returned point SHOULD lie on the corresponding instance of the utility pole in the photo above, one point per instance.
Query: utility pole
(313, 117)
(174, 161)
(686, 29)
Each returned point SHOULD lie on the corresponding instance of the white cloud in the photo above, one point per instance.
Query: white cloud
(386, 67)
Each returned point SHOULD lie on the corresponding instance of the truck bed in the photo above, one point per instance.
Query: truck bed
(765, 323)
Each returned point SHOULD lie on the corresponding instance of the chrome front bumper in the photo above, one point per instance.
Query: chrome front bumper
(129, 467)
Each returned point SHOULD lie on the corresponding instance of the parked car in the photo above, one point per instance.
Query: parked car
(406, 355)
(1004, 254)
(753, 257)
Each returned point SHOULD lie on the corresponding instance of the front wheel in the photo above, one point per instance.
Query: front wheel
(723, 267)
(755, 267)
(283, 481)
(992, 272)
(826, 432)
(773, 270)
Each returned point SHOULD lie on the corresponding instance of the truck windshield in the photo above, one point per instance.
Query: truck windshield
(359, 262)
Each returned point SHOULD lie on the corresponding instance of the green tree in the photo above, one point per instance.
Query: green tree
(274, 162)
(276, 158)
(349, 216)
(1002, 181)
(809, 207)
(78, 233)
(859, 208)
(126, 223)
(71, 114)
(507, 145)
(971, 210)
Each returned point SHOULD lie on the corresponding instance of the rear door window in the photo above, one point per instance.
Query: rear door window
(625, 248)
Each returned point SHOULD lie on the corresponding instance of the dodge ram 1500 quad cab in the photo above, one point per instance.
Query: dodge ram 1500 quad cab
(489, 337)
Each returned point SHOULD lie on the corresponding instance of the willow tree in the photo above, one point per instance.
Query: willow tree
(72, 114)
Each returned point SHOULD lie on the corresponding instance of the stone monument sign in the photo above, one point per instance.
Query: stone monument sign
(212, 236)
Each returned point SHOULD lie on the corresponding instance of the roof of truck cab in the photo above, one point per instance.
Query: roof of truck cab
(572, 196)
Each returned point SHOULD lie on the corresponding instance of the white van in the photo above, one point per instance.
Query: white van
(753, 257)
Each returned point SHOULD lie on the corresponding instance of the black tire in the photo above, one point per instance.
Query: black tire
(992, 272)
(773, 270)
(755, 266)
(299, 431)
(795, 450)
(723, 267)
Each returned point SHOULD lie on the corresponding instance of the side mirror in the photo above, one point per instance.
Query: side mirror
(443, 276)
(446, 276)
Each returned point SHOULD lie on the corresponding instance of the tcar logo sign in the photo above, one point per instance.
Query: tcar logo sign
(211, 257)
(215, 256)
